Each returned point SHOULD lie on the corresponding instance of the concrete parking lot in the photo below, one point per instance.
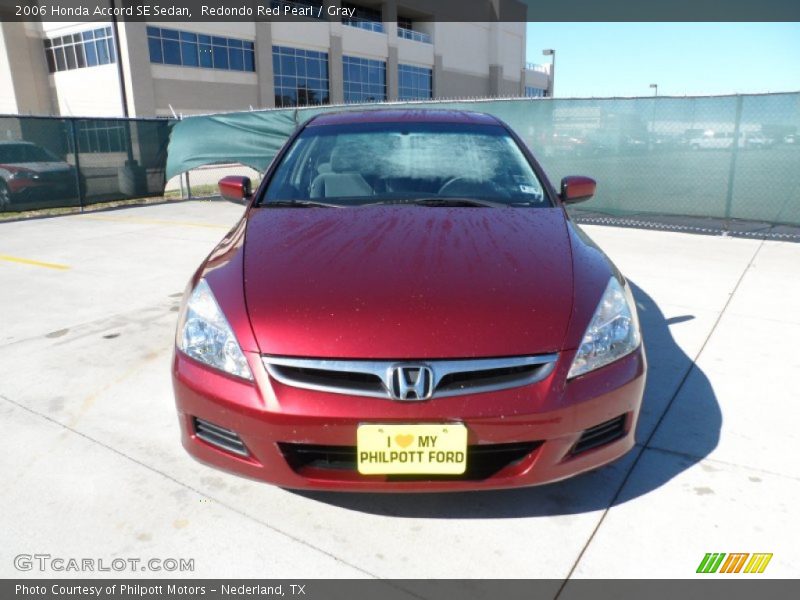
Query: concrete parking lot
(93, 467)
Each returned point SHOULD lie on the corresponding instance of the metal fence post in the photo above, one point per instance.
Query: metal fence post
(734, 155)
(74, 135)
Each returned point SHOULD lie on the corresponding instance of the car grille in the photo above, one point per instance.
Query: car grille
(600, 435)
(483, 461)
(220, 437)
(380, 379)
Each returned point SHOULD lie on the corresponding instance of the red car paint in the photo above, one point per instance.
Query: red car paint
(408, 283)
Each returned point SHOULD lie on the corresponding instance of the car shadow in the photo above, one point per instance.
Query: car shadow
(669, 367)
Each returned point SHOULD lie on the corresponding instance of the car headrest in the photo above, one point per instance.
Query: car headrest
(346, 158)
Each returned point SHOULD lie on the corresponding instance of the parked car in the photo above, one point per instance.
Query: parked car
(30, 173)
(406, 305)
(715, 140)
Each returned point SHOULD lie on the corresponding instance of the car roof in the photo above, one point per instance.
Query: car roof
(403, 115)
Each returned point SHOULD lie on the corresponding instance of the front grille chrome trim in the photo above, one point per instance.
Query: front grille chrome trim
(373, 378)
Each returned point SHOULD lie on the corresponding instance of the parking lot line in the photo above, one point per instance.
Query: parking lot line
(34, 263)
(145, 221)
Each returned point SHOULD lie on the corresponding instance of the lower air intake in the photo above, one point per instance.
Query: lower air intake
(482, 461)
(217, 436)
(600, 435)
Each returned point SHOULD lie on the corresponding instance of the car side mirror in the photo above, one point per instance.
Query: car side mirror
(235, 188)
(577, 188)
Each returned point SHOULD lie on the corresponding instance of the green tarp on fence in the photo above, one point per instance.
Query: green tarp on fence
(721, 156)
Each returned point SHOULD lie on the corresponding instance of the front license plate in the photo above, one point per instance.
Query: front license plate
(412, 449)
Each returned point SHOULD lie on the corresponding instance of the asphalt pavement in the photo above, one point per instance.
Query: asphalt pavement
(93, 467)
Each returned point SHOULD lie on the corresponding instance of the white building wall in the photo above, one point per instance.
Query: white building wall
(92, 91)
(366, 44)
(464, 47)
(8, 97)
(310, 36)
(414, 53)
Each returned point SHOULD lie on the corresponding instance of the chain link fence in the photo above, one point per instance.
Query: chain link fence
(74, 162)
(666, 160)
(720, 157)
(201, 183)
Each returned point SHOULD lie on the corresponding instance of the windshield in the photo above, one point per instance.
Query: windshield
(375, 163)
(24, 153)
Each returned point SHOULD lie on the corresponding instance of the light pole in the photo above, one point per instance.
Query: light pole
(551, 52)
(654, 86)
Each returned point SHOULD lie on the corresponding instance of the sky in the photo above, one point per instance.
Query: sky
(623, 59)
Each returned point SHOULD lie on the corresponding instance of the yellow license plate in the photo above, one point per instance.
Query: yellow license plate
(412, 449)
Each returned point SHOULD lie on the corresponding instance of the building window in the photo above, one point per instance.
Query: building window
(317, 10)
(534, 92)
(364, 79)
(363, 18)
(185, 49)
(301, 76)
(80, 50)
(416, 83)
(99, 137)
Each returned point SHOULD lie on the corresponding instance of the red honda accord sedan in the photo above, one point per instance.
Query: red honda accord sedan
(406, 306)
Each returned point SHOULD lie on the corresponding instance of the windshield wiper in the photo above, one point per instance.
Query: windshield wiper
(442, 201)
(299, 204)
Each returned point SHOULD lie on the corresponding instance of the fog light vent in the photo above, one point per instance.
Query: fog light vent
(220, 437)
(600, 435)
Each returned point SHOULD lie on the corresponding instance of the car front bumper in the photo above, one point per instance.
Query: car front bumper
(304, 439)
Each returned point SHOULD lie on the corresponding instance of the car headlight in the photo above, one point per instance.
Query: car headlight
(612, 333)
(205, 335)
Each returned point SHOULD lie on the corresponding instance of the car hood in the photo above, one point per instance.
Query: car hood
(403, 282)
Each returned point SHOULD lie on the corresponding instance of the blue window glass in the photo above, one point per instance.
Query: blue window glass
(300, 76)
(220, 57)
(172, 52)
(287, 65)
(249, 60)
(79, 50)
(206, 57)
(91, 54)
(364, 79)
(534, 92)
(236, 59)
(61, 63)
(103, 54)
(79, 56)
(156, 56)
(189, 54)
(415, 83)
(51, 60)
(172, 47)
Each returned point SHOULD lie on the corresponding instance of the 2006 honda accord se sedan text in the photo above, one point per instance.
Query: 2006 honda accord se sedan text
(406, 306)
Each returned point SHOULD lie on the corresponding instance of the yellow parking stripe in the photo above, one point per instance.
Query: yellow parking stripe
(144, 221)
(34, 263)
